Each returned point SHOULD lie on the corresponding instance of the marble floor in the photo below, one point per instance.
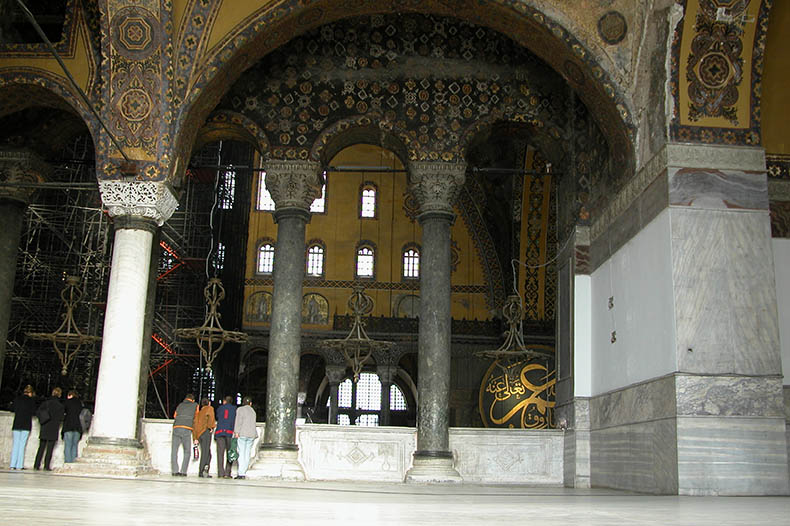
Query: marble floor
(38, 498)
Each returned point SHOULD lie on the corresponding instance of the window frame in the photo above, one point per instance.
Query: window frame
(404, 251)
(315, 243)
(368, 185)
(365, 245)
(261, 244)
(324, 196)
(261, 189)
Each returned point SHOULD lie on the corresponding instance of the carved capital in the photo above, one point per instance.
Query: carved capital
(293, 184)
(148, 199)
(20, 169)
(436, 185)
(387, 373)
(335, 373)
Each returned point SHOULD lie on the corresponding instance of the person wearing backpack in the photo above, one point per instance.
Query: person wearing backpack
(72, 428)
(50, 415)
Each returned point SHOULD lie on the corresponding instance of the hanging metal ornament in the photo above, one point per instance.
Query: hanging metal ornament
(67, 340)
(512, 349)
(211, 337)
(357, 347)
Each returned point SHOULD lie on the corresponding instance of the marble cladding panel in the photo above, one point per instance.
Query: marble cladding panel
(636, 457)
(576, 459)
(732, 456)
(729, 396)
(718, 189)
(157, 436)
(631, 220)
(724, 292)
(786, 396)
(642, 402)
(513, 457)
(356, 453)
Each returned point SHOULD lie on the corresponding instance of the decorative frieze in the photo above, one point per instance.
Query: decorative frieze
(148, 199)
(293, 184)
(436, 185)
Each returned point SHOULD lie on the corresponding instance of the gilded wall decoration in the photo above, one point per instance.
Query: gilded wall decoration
(778, 166)
(612, 27)
(259, 307)
(518, 395)
(716, 86)
(315, 309)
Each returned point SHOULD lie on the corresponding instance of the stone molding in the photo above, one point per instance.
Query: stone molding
(21, 166)
(147, 199)
(436, 185)
(712, 157)
(293, 184)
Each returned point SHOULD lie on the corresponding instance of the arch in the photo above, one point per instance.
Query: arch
(23, 88)
(373, 128)
(224, 124)
(586, 69)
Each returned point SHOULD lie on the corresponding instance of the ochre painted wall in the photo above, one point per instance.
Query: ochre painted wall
(341, 229)
(776, 82)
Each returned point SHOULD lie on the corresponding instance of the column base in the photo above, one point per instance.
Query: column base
(109, 457)
(281, 464)
(432, 470)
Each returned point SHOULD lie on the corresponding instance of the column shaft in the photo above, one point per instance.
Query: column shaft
(284, 340)
(12, 214)
(434, 338)
(333, 403)
(117, 387)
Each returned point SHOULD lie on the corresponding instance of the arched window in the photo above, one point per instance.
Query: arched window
(367, 204)
(227, 188)
(360, 404)
(365, 261)
(265, 201)
(411, 262)
(266, 259)
(315, 260)
(319, 205)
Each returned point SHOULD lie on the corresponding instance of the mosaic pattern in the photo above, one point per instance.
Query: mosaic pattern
(612, 27)
(386, 68)
(367, 284)
(748, 133)
(525, 24)
(778, 166)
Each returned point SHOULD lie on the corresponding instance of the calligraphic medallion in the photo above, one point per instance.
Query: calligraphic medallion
(518, 395)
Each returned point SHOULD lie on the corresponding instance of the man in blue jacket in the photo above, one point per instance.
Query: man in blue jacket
(226, 419)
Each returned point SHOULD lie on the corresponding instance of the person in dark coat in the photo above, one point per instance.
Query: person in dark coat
(23, 408)
(226, 419)
(50, 427)
(72, 427)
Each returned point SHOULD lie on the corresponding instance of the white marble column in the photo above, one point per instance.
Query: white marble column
(435, 186)
(294, 185)
(137, 209)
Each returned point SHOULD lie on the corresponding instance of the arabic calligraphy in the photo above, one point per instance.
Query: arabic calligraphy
(518, 395)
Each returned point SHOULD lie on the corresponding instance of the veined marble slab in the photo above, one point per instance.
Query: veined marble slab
(718, 189)
(508, 456)
(729, 395)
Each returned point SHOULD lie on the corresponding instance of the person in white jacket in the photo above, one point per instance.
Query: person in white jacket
(246, 433)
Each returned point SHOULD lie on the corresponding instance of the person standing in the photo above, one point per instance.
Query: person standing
(226, 419)
(183, 424)
(204, 425)
(50, 415)
(23, 407)
(72, 427)
(244, 429)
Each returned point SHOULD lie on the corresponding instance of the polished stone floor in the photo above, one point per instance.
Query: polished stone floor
(38, 498)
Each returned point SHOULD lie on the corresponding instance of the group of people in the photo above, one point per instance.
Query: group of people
(51, 413)
(195, 425)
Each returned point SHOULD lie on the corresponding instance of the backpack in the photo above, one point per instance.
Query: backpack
(85, 419)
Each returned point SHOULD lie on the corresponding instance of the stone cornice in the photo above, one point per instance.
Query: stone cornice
(146, 199)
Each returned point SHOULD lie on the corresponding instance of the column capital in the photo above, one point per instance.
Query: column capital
(146, 199)
(21, 166)
(293, 184)
(335, 373)
(436, 185)
(386, 373)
